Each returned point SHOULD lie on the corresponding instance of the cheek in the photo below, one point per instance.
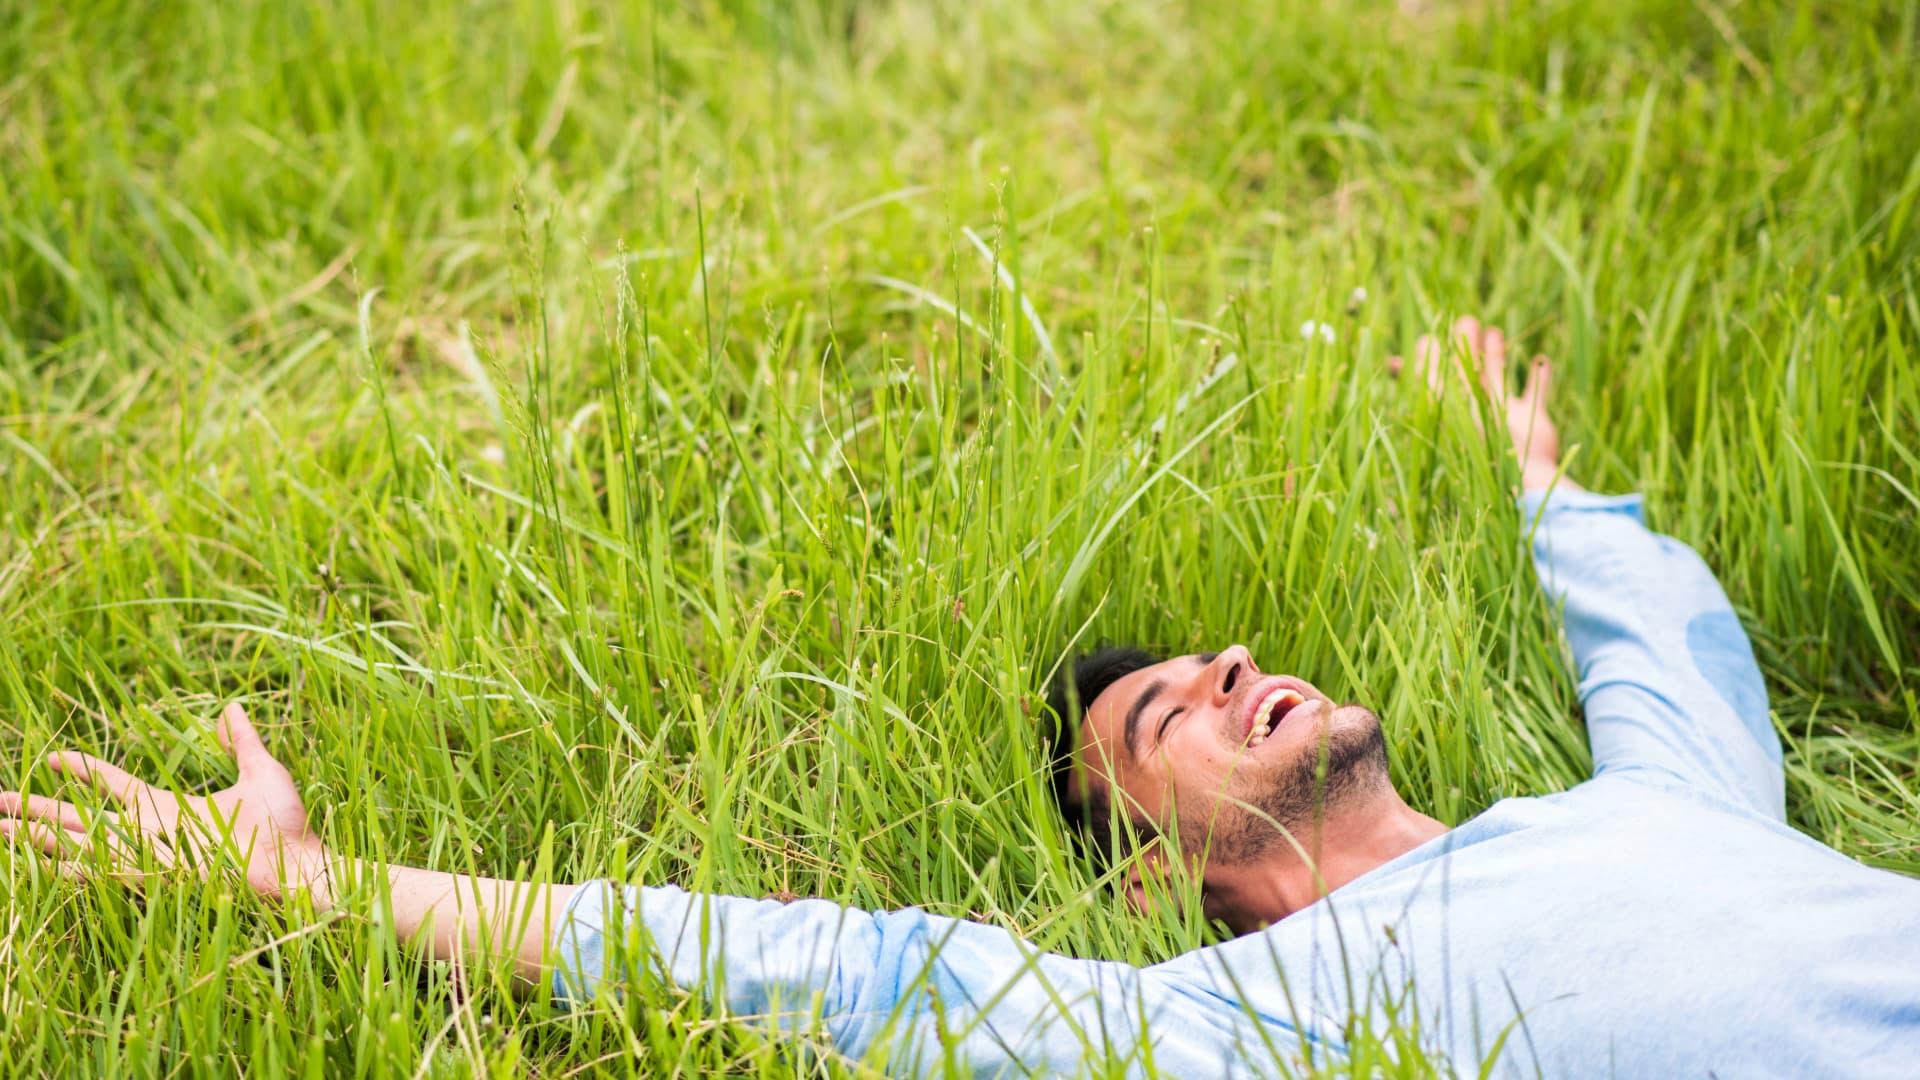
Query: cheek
(1147, 790)
(1184, 775)
(1206, 768)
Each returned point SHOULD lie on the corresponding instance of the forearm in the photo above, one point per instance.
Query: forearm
(1539, 473)
(460, 918)
(1666, 675)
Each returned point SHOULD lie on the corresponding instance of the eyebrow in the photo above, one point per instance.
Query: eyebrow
(1132, 730)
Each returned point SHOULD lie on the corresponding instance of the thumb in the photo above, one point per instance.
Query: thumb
(237, 734)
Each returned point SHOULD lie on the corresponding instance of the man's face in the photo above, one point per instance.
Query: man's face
(1228, 755)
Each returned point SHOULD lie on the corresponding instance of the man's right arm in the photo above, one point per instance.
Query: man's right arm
(258, 828)
(906, 991)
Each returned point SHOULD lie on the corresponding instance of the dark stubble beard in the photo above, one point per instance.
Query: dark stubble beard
(1295, 795)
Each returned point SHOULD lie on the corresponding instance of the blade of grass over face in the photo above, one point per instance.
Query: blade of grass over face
(675, 442)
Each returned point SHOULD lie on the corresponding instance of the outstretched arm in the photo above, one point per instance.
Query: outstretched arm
(914, 994)
(258, 829)
(903, 988)
(1666, 675)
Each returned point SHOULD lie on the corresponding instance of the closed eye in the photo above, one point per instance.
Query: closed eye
(1167, 718)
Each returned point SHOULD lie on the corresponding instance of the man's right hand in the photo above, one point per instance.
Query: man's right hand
(257, 827)
(1536, 442)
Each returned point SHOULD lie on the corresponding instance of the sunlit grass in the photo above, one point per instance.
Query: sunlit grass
(675, 442)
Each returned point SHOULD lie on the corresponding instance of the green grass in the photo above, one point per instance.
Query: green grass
(676, 441)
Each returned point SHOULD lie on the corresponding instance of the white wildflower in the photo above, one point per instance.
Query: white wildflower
(1311, 329)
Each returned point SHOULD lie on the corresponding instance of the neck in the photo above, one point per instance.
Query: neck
(1330, 854)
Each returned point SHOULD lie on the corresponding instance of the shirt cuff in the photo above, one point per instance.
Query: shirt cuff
(579, 944)
(1542, 504)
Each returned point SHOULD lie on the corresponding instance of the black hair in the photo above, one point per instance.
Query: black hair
(1088, 816)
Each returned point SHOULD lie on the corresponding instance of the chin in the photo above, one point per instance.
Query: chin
(1352, 717)
(1295, 794)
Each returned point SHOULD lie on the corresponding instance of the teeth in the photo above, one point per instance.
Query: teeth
(1263, 717)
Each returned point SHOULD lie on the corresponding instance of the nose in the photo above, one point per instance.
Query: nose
(1228, 671)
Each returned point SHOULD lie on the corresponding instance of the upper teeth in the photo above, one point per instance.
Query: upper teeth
(1263, 716)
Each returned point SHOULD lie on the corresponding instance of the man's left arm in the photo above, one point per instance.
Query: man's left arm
(1666, 675)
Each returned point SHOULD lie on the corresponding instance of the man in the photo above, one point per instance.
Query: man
(1660, 919)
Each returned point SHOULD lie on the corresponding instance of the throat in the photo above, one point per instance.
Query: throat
(1251, 896)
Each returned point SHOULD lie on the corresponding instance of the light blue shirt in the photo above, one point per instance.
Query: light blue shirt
(1660, 919)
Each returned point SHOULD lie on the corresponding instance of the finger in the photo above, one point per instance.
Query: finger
(1540, 383)
(77, 870)
(105, 775)
(40, 808)
(67, 860)
(80, 870)
(238, 735)
(1493, 362)
(1467, 336)
(1466, 330)
(1430, 358)
(55, 842)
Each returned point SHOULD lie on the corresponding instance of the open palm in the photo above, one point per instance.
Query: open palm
(257, 827)
(1483, 349)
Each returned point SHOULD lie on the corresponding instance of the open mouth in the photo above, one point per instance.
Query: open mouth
(1272, 709)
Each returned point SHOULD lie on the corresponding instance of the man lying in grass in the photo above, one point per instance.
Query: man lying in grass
(1659, 920)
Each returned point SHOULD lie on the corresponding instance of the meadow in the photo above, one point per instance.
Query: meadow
(677, 441)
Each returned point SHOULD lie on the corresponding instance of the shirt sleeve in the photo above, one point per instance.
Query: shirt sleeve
(912, 993)
(1666, 674)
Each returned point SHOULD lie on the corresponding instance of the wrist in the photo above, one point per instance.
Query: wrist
(1539, 473)
(315, 872)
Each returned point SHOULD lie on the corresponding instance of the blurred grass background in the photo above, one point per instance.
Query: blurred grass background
(676, 440)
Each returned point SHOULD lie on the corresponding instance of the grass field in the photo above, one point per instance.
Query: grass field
(675, 442)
